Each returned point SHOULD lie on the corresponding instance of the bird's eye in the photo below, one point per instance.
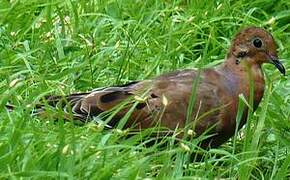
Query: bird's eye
(257, 43)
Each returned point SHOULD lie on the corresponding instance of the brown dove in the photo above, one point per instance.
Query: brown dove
(165, 101)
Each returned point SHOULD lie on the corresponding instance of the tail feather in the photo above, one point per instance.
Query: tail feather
(86, 106)
(9, 107)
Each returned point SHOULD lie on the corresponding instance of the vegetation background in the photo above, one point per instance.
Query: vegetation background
(65, 46)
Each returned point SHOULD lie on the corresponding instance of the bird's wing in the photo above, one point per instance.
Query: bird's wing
(164, 99)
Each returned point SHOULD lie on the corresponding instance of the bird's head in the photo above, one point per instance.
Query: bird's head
(255, 45)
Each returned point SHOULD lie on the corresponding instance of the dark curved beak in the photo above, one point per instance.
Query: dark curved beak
(274, 60)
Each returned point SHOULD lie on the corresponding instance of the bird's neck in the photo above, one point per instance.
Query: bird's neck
(245, 73)
(246, 69)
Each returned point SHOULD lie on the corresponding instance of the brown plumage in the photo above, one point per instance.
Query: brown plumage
(165, 99)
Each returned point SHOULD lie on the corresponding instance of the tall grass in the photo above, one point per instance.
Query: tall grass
(65, 46)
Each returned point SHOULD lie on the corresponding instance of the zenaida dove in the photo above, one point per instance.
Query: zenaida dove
(164, 100)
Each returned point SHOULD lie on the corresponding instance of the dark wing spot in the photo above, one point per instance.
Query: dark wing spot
(111, 96)
(154, 95)
(140, 105)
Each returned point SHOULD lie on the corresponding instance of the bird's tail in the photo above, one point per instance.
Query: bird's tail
(83, 106)
(9, 107)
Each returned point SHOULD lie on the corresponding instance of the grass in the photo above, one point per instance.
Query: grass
(65, 46)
